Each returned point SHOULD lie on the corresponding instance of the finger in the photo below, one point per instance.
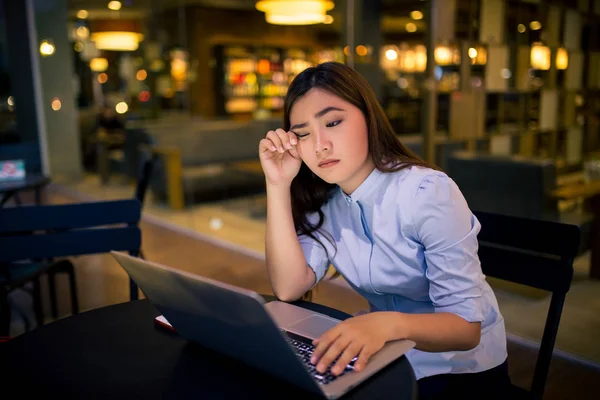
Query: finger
(363, 357)
(322, 344)
(293, 138)
(266, 145)
(285, 138)
(351, 351)
(274, 137)
(332, 353)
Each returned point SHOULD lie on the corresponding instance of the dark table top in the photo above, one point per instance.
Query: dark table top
(31, 181)
(119, 352)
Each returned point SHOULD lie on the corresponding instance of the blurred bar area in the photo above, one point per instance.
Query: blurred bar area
(167, 100)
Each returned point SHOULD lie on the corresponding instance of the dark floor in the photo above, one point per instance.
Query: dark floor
(102, 282)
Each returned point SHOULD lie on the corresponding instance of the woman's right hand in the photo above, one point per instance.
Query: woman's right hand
(279, 157)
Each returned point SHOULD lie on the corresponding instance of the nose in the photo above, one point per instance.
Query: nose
(323, 143)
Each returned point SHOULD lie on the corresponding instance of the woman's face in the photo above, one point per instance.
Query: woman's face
(332, 138)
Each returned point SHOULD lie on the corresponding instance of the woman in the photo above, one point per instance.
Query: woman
(342, 189)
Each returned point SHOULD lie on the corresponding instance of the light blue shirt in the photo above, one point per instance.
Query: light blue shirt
(407, 241)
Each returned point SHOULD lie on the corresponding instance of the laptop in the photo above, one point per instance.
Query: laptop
(274, 337)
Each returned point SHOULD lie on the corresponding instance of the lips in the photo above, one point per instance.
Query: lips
(328, 163)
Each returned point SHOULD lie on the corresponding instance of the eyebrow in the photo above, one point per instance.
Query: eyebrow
(317, 115)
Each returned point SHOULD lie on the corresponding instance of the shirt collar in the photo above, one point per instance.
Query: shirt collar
(365, 188)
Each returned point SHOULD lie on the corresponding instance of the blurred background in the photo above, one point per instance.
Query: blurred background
(503, 95)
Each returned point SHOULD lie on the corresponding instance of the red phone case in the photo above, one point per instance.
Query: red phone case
(162, 321)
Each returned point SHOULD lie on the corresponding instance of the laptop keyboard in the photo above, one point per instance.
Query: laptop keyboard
(304, 349)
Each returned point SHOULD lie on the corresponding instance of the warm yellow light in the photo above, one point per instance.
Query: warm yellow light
(10, 101)
(361, 50)
(117, 41)
(391, 54)
(535, 25)
(102, 78)
(416, 15)
(442, 55)
(540, 57)
(179, 69)
(78, 46)
(121, 107)
(141, 75)
(481, 58)
(83, 32)
(411, 27)
(56, 104)
(47, 48)
(472, 52)
(114, 5)
(420, 58)
(98, 64)
(521, 28)
(82, 14)
(295, 12)
(562, 58)
(328, 20)
(408, 60)
(347, 50)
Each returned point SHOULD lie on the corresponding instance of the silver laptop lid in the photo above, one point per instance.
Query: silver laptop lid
(225, 318)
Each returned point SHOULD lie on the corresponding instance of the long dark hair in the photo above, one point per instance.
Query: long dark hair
(308, 191)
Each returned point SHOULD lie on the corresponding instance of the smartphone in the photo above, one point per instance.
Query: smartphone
(162, 321)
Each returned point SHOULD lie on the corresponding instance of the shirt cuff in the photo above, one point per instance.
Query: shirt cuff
(316, 259)
(468, 308)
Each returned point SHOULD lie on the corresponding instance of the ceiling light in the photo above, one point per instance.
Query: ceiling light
(535, 25)
(114, 5)
(540, 57)
(117, 41)
(562, 58)
(47, 48)
(121, 107)
(416, 15)
(295, 12)
(98, 64)
(82, 14)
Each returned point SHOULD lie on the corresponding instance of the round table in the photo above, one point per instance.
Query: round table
(119, 352)
(31, 181)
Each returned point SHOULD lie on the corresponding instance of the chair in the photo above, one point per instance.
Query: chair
(67, 267)
(49, 231)
(538, 254)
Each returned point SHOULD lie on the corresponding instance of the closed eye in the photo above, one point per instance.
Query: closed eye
(301, 135)
(334, 123)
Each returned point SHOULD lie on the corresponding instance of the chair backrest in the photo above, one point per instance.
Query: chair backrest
(41, 232)
(535, 253)
(508, 185)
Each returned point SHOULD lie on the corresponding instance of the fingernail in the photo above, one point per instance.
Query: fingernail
(294, 141)
(313, 359)
(320, 368)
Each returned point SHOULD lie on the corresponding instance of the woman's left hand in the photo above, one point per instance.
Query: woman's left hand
(360, 336)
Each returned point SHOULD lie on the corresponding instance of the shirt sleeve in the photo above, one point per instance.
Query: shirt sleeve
(315, 255)
(447, 229)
